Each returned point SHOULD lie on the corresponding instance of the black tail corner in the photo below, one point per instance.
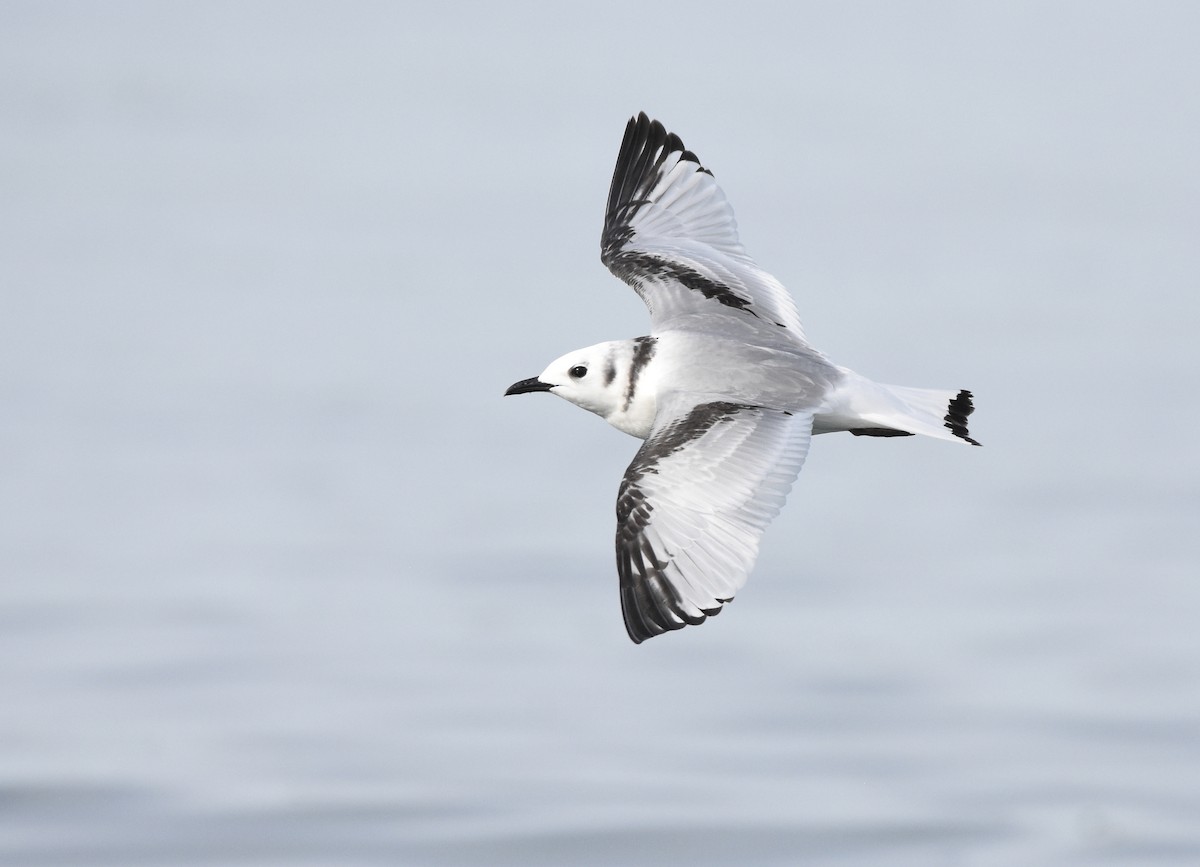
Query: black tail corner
(956, 416)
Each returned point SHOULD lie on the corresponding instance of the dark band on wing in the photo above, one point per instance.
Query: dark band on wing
(879, 432)
(633, 268)
(645, 148)
(702, 418)
(650, 603)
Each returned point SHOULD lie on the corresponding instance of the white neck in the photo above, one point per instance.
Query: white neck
(635, 385)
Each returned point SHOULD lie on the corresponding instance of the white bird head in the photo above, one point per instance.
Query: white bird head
(603, 379)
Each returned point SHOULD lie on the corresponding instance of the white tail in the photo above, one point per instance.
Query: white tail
(867, 408)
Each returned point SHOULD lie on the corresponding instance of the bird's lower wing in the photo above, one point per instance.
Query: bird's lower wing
(694, 504)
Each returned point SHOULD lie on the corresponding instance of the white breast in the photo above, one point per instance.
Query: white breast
(638, 418)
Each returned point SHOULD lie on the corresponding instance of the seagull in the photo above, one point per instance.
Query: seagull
(725, 391)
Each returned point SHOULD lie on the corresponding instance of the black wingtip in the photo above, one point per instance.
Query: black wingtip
(643, 149)
(651, 134)
(956, 416)
(643, 616)
(651, 606)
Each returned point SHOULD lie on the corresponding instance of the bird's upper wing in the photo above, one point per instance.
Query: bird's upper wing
(670, 234)
(694, 504)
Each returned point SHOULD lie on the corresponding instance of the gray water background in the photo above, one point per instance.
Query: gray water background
(285, 580)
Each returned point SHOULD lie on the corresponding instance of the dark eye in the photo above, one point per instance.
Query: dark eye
(578, 371)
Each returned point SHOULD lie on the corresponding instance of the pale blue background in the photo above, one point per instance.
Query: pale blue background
(285, 580)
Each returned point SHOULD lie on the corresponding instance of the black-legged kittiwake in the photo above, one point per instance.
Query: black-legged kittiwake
(725, 391)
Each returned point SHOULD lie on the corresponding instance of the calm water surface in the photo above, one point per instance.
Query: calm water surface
(284, 580)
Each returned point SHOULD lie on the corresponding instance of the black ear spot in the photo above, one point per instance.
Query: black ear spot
(578, 371)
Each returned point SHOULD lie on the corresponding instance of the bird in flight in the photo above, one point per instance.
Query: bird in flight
(725, 390)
